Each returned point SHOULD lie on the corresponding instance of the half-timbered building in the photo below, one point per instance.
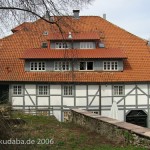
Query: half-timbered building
(87, 62)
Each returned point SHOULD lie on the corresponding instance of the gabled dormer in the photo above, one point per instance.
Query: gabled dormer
(83, 51)
(83, 40)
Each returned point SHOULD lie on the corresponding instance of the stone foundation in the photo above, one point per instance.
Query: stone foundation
(121, 132)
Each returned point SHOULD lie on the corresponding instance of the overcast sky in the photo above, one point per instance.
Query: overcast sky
(131, 15)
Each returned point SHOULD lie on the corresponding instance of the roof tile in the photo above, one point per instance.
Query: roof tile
(42, 53)
(14, 47)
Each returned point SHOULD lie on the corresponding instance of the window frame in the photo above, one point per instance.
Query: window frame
(62, 45)
(84, 45)
(117, 91)
(38, 65)
(17, 92)
(59, 66)
(44, 45)
(109, 67)
(86, 62)
(67, 92)
(43, 90)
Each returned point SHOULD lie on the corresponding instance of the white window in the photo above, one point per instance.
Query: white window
(61, 45)
(86, 45)
(118, 90)
(68, 90)
(61, 65)
(42, 90)
(110, 65)
(17, 90)
(37, 66)
(86, 65)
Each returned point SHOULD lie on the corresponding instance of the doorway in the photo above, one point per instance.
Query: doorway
(4, 93)
(138, 117)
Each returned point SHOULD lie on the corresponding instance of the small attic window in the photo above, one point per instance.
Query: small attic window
(44, 44)
(101, 45)
(45, 33)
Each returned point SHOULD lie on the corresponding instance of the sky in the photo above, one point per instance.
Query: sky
(131, 15)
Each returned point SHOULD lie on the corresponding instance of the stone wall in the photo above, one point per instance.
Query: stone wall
(121, 132)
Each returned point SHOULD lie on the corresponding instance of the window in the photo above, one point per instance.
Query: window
(44, 45)
(61, 45)
(86, 65)
(101, 45)
(42, 90)
(45, 33)
(17, 90)
(86, 45)
(118, 90)
(68, 90)
(37, 66)
(61, 65)
(110, 65)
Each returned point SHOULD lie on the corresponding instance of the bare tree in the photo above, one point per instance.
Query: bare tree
(13, 12)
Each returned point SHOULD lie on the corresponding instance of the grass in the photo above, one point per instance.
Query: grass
(54, 135)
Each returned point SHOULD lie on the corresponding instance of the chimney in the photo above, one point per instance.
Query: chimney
(104, 16)
(76, 14)
(47, 15)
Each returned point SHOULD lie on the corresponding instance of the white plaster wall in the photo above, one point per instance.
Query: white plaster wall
(106, 90)
(55, 89)
(121, 115)
(28, 100)
(106, 101)
(57, 114)
(130, 108)
(81, 102)
(105, 113)
(69, 101)
(95, 101)
(80, 90)
(55, 100)
(143, 87)
(43, 101)
(17, 101)
(130, 100)
(117, 99)
(142, 99)
(31, 89)
(128, 88)
(92, 89)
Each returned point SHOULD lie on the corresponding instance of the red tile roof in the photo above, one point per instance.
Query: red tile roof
(75, 36)
(43, 53)
(21, 26)
(136, 66)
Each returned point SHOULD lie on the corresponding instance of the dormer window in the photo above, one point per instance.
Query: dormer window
(61, 45)
(110, 65)
(87, 45)
(101, 45)
(37, 66)
(44, 45)
(86, 65)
